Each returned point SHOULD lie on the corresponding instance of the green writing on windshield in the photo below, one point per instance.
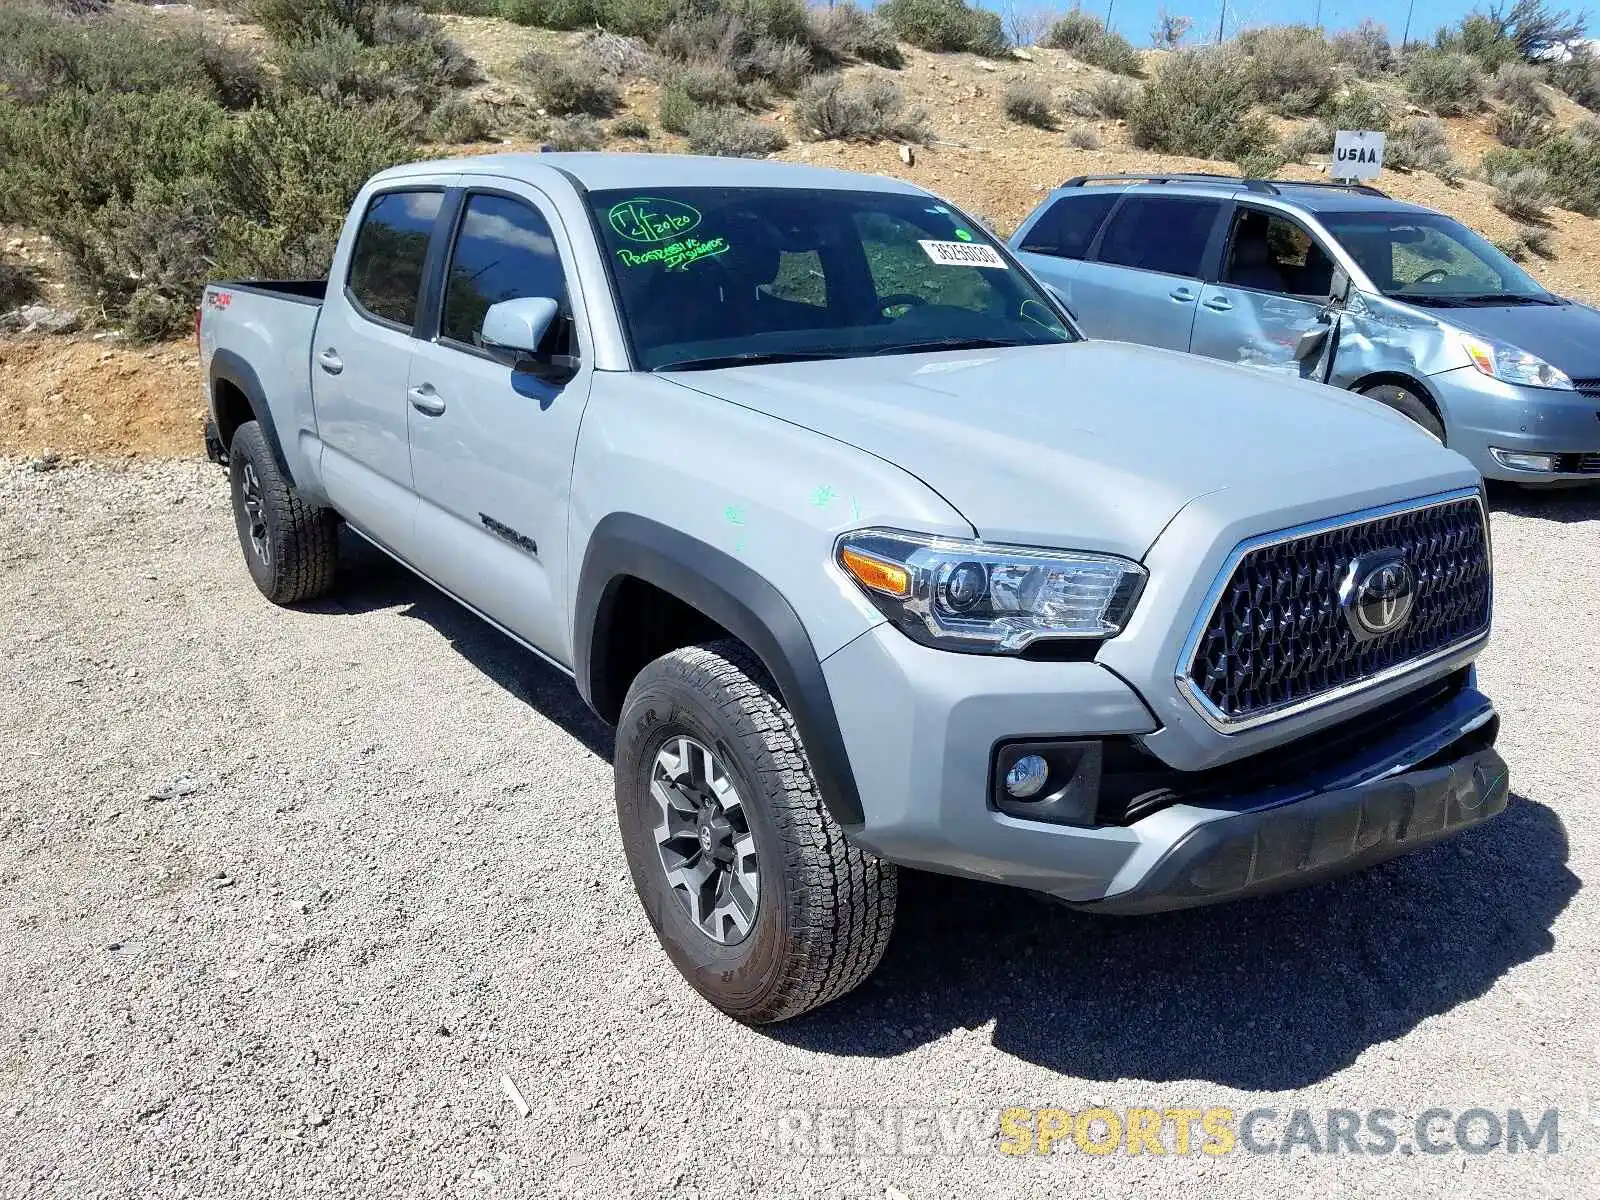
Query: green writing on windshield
(650, 219)
(676, 255)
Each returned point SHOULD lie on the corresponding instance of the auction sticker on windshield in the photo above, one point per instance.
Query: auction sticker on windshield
(963, 254)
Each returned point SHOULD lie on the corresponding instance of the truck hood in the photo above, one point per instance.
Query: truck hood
(1090, 445)
(1567, 336)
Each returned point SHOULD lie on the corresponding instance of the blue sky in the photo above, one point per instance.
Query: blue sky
(1134, 18)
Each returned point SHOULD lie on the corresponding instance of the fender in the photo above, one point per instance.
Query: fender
(228, 365)
(730, 593)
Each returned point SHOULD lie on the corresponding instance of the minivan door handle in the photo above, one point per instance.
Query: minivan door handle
(425, 400)
(1219, 304)
(330, 361)
(1182, 294)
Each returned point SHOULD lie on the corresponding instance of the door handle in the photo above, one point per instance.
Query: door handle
(1182, 293)
(425, 400)
(1219, 304)
(330, 361)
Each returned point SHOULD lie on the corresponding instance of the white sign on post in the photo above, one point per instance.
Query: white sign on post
(1357, 154)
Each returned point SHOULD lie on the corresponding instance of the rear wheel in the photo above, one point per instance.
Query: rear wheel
(755, 894)
(1408, 404)
(291, 547)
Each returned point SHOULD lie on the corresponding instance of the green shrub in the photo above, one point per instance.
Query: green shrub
(1313, 138)
(1480, 36)
(710, 86)
(1521, 85)
(1083, 137)
(731, 135)
(1027, 101)
(1358, 106)
(1292, 68)
(580, 132)
(1568, 159)
(1528, 239)
(676, 110)
(725, 42)
(1522, 191)
(846, 31)
(637, 18)
(945, 25)
(1364, 49)
(1519, 127)
(19, 284)
(335, 64)
(873, 109)
(287, 20)
(43, 53)
(1449, 83)
(1419, 144)
(457, 120)
(631, 127)
(419, 43)
(1087, 40)
(564, 88)
(1112, 96)
(1579, 78)
(554, 14)
(1200, 106)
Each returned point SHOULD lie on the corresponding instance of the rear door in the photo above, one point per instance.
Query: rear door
(492, 443)
(361, 358)
(1053, 245)
(1274, 281)
(1142, 282)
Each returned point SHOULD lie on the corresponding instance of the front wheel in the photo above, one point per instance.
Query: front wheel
(1408, 404)
(752, 889)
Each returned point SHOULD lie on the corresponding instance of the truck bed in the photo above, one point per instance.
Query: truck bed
(301, 291)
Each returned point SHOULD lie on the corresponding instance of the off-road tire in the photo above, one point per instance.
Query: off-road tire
(825, 909)
(301, 552)
(1408, 404)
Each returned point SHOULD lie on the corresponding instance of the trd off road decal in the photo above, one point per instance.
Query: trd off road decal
(649, 219)
(963, 254)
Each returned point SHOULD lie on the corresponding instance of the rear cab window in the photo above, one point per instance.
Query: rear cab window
(386, 265)
(1166, 234)
(1067, 229)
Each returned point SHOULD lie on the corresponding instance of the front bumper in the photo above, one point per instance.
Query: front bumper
(1482, 414)
(921, 728)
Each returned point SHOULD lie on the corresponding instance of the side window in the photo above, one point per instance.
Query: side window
(1271, 253)
(899, 267)
(1069, 227)
(503, 251)
(1160, 233)
(386, 264)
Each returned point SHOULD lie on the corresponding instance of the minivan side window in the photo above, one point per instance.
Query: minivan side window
(1160, 233)
(504, 250)
(386, 264)
(1271, 253)
(1068, 228)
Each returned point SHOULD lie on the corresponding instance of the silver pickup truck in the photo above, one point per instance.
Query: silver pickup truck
(872, 559)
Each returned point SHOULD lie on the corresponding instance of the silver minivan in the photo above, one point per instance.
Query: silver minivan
(1342, 284)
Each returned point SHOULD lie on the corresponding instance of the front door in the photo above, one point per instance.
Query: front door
(491, 443)
(1143, 283)
(1273, 285)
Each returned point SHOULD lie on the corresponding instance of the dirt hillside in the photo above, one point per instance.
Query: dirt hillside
(86, 394)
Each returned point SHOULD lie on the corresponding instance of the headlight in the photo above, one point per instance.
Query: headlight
(1510, 365)
(960, 595)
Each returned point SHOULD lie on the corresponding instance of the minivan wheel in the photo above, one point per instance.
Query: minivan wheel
(1408, 404)
(750, 885)
(291, 547)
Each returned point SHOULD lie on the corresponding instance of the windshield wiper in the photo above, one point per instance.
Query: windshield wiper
(953, 343)
(1508, 298)
(748, 359)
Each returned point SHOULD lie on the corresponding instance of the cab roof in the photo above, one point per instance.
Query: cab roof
(605, 171)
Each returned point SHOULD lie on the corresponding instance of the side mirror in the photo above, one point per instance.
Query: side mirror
(1059, 298)
(518, 326)
(1339, 288)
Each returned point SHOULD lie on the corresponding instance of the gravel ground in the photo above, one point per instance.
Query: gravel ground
(283, 895)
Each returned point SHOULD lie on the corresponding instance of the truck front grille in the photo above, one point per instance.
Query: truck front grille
(1278, 637)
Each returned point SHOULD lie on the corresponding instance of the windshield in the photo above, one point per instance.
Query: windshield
(710, 277)
(1429, 259)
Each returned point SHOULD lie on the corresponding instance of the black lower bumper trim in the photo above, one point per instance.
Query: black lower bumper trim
(215, 450)
(1319, 837)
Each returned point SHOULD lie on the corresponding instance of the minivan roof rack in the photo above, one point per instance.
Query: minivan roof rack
(1270, 187)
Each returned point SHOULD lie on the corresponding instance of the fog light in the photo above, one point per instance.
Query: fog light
(1517, 460)
(1027, 776)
